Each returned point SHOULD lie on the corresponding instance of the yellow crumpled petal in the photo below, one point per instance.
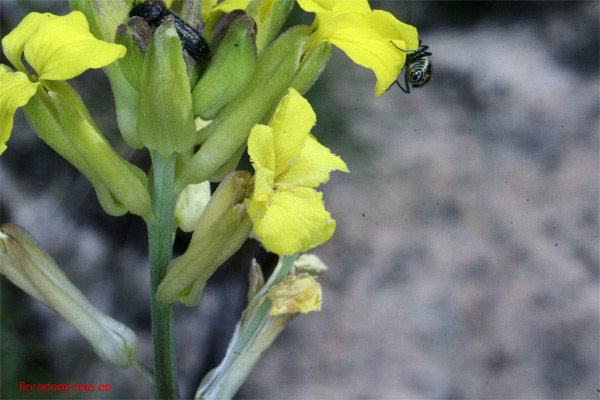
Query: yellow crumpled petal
(15, 91)
(295, 294)
(310, 263)
(62, 48)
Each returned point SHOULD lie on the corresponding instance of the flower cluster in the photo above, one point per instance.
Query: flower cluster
(196, 115)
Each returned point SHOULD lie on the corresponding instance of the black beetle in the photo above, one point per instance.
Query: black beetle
(155, 14)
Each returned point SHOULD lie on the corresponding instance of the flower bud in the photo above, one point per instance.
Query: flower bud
(229, 70)
(221, 231)
(165, 122)
(29, 267)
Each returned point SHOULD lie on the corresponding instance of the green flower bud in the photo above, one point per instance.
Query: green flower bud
(224, 136)
(222, 229)
(124, 76)
(165, 122)
(229, 70)
(270, 17)
(29, 267)
(220, 30)
(126, 182)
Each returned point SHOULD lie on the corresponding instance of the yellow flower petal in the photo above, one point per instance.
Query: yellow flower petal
(313, 165)
(372, 48)
(14, 42)
(294, 221)
(295, 294)
(397, 30)
(291, 123)
(262, 155)
(15, 91)
(317, 6)
(62, 48)
(350, 6)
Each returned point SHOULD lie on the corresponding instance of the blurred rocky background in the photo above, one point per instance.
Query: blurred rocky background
(466, 258)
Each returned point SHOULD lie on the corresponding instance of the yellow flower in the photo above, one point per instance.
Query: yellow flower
(57, 48)
(369, 38)
(287, 213)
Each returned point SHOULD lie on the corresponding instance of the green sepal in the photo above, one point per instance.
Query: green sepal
(221, 231)
(43, 117)
(311, 67)
(191, 12)
(223, 137)
(126, 182)
(191, 295)
(136, 36)
(269, 21)
(229, 70)
(165, 122)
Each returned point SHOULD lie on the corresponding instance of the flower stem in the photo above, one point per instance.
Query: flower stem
(253, 334)
(160, 238)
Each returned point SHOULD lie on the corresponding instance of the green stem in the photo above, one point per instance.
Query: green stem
(160, 238)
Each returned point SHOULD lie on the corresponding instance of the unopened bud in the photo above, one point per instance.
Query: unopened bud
(165, 126)
(222, 229)
(229, 70)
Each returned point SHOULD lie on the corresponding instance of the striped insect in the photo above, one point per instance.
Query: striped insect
(155, 13)
(417, 68)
